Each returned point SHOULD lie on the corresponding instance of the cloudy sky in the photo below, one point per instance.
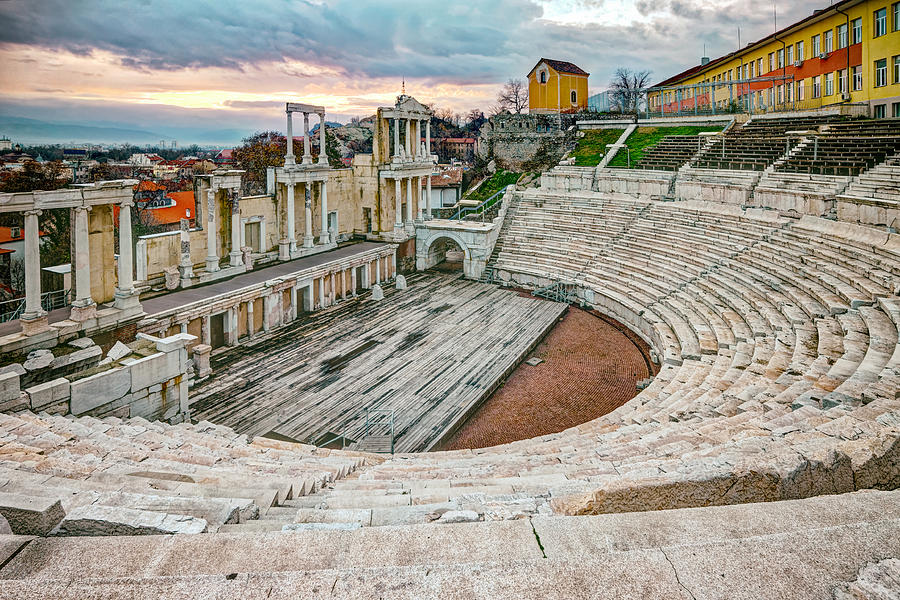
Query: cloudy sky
(170, 64)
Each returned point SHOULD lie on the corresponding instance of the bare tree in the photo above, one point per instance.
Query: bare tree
(626, 88)
(513, 96)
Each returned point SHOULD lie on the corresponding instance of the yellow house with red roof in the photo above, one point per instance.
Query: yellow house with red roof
(557, 86)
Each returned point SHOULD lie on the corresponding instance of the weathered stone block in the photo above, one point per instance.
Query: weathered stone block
(30, 515)
(97, 390)
(51, 392)
(153, 369)
(9, 386)
(113, 520)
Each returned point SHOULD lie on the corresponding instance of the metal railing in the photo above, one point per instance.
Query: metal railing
(10, 310)
(376, 422)
(481, 208)
(559, 291)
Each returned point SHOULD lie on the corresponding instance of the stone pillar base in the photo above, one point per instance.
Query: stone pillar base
(236, 259)
(212, 264)
(84, 312)
(308, 241)
(127, 300)
(325, 239)
(32, 325)
(284, 250)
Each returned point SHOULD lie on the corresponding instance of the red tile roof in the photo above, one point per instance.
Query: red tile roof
(448, 178)
(7, 237)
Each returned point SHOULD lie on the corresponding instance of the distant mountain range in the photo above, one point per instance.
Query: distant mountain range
(32, 131)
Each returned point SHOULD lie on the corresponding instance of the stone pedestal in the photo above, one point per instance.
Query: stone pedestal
(83, 312)
(34, 325)
(377, 292)
(400, 282)
(201, 360)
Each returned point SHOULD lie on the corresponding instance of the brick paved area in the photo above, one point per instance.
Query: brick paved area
(590, 367)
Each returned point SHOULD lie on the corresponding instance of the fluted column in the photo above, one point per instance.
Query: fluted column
(34, 318)
(398, 213)
(308, 240)
(420, 215)
(428, 196)
(235, 254)
(428, 137)
(396, 137)
(408, 139)
(307, 153)
(212, 259)
(291, 225)
(289, 154)
(409, 200)
(324, 238)
(323, 158)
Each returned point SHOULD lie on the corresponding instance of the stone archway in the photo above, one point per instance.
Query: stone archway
(447, 251)
(473, 239)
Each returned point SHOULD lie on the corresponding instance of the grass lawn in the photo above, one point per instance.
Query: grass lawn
(592, 147)
(647, 137)
(494, 184)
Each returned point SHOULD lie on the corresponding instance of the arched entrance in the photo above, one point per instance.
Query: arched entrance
(445, 254)
(440, 240)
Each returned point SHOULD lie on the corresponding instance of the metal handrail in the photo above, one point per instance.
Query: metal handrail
(462, 212)
(383, 411)
(10, 310)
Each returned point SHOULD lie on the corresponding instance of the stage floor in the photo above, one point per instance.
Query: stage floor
(431, 353)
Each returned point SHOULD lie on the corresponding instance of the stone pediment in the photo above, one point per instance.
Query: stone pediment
(409, 104)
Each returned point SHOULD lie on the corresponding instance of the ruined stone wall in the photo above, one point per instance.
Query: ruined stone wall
(263, 207)
(515, 140)
(157, 252)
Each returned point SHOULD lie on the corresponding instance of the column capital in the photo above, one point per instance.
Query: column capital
(35, 212)
(127, 203)
(83, 208)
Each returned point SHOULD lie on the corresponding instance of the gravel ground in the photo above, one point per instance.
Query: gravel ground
(590, 368)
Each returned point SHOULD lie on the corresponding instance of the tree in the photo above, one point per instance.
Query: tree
(34, 176)
(626, 88)
(259, 152)
(513, 96)
(474, 120)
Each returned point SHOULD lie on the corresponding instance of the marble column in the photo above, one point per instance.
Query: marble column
(393, 270)
(396, 137)
(409, 200)
(322, 292)
(408, 139)
(250, 318)
(323, 157)
(344, 283)
(289, 154)
(308, 240)
(307, 153)
(125, 297)
(235, 255)
(212, 259)
(398, 211)
(293, 303)
(205, 332)
(324, 238)
(428, 196)
(377, 270)
(419, 202)
(291, 225)
(353, 281)
(428, 138)
(83, 307)
(34, 318)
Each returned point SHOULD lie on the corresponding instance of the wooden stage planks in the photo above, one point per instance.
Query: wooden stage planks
(432, 353)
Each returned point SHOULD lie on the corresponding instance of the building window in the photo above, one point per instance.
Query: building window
(856, 26)
(800, 51)
(881, 72)
(781, 58)
(780, 94)
(896, 62)
(895, 16)
(879, 111)
(842, 81)
(790, 92)
(816, 46)
(751, 70)
(880, 22)
(759, 70)
(842, 35)
(543, 77)
(801, 91)
(857, 78)
(895, 109)
(829, 41)
(574, 97)
(790, 55)
(771, 61)
(817, 87)
(829, 84)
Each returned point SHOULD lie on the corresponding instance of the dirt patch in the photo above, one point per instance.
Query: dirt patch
(590, 367)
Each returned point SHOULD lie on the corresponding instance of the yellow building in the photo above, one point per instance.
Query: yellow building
(846, 53)
(557, 86)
